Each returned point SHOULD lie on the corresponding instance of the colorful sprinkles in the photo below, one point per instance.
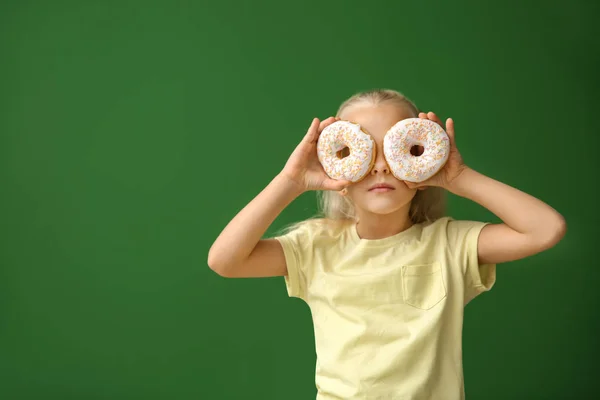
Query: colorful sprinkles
(411, 132)
(339, 136)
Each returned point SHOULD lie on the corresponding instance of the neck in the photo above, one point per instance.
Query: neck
(379, 226)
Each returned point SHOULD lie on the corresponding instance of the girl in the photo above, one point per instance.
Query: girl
(385, 274)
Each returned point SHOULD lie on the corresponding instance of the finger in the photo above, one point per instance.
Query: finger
(422, 115)
(312, 134)
(434, 118)
(450, 129)
(326, 122)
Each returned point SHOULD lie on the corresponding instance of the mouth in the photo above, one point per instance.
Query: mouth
(381, 187)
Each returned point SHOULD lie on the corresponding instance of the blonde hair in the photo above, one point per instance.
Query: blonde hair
(426, 206)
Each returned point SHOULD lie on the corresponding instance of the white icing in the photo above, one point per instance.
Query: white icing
(336, 137)
(410, 132)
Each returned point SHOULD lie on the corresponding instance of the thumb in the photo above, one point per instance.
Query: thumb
(412, 185)
(336, 185)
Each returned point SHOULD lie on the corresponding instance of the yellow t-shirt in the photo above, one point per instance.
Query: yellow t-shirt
(387, 313)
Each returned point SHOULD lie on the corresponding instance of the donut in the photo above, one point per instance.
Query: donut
(403, 137)
(346, 151)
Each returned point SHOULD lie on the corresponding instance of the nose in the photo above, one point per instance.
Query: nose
(380, 165)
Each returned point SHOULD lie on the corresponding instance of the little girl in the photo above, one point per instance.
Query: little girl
(386, 275)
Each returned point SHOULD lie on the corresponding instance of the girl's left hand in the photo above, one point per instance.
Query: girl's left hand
(453, 167)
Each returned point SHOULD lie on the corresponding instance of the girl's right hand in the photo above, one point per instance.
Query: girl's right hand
(303, 167)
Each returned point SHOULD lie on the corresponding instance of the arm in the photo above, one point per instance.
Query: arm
(239, 250)
(529, 225)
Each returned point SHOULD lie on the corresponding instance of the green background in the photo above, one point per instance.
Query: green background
(132, 132)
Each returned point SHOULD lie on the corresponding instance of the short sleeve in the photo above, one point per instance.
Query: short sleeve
(296, 248)
(463, 238)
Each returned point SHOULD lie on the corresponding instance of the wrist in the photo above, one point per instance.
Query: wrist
(462, 181)
(289, 184)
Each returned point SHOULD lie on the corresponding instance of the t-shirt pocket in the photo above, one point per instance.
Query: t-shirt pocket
(423, 285)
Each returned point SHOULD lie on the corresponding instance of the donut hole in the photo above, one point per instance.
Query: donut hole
(417, 150)
(343, 153)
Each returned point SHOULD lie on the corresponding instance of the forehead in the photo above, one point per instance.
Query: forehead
(376, 119)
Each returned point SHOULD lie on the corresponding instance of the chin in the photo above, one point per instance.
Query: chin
(383, 207)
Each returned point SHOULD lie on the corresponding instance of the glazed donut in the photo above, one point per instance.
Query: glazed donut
(341, 136)
(403, 136)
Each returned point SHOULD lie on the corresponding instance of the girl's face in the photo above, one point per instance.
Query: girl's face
(377, 120)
